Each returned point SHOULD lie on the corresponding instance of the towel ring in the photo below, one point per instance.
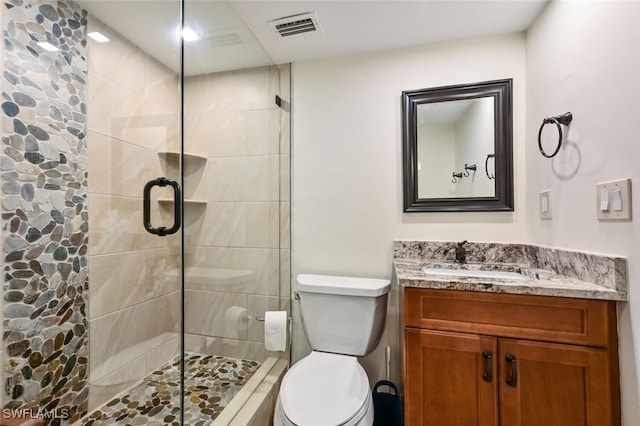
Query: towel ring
(558, 120)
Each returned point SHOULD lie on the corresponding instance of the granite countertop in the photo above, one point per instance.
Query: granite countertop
(540, 270)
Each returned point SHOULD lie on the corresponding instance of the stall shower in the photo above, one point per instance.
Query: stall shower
(103, 322)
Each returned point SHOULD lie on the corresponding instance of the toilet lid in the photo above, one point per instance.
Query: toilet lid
(324, 389)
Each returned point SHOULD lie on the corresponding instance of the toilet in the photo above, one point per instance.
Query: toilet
(343, 318)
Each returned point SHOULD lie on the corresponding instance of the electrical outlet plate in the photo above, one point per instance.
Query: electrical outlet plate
(545, 205)
(624, 186)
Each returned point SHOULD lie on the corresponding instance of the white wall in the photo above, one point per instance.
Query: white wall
(583, 57)
(347, 161)
(436, 161)
(475, 136)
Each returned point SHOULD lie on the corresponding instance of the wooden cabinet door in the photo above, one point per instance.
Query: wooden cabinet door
(554, 385)
(450, 379)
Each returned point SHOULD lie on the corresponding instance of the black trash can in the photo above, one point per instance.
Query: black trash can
(387, 406)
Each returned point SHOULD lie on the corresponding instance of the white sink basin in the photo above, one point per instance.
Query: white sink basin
(474, 273)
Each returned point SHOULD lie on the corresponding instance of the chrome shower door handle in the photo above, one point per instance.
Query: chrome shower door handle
(146, 208)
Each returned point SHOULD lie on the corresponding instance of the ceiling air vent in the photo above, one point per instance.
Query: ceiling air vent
(295, 24)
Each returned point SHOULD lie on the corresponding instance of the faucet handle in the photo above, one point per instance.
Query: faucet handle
(461, 243)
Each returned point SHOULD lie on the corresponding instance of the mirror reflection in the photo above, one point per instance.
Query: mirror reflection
(454, 140)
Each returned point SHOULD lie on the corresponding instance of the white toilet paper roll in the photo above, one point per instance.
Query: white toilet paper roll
(275, 330)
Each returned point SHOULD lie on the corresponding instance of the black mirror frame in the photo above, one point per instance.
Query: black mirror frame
(501, 92)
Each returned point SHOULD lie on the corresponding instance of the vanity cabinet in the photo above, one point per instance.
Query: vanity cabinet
(500, 359)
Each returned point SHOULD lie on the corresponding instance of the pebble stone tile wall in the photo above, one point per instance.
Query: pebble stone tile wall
(44, 208)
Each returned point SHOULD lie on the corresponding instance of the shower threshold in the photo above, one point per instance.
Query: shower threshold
(210, 384)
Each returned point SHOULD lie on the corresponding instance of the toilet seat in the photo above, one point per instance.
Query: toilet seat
(325, 389)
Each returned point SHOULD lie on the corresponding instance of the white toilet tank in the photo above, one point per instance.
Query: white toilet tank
(343, 315)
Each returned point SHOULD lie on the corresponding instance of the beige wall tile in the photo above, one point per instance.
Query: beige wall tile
(285, 131)
(104, 389)
(225, 347)
(163, 270)
(236, 349)
(285, 273)
(216, 314)
(285, 177)
(161, 85)
(148, 125)
(264, 263)
(162, 354)
(220, 279)
(108, 102)
(121, 337)
(116, 166)
(220, 224)
(285, 81)
(285, 304)
(195, 343)
(118, 61)
(243, 178)
(263, 131)
(263, 174)
(117, 225)
(117, 282)
(194, 256)
(226, 179)
(195, 183)
(263, 225)
(158, 164)
(239, 90)
(285, 225)
(216, 134)
(126, 115)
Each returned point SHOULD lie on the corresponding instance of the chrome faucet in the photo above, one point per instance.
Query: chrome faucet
(461, 252)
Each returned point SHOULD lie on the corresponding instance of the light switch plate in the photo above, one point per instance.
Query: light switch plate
(624, 186)
(545, 205)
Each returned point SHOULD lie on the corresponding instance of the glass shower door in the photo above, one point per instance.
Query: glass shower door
(235, 212)
(104, 135)
(134, 149)
(92, 302)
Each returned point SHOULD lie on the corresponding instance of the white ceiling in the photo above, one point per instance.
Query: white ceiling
(352, 27)
(236, 33)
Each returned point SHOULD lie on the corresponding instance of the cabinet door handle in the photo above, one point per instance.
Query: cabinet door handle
(487, 375)
(512, 380)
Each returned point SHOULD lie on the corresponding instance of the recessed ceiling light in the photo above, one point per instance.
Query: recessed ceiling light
(99, 37)
(48, 46)
(189, 35)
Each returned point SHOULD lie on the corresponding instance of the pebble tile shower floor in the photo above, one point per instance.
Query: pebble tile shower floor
(210, 384)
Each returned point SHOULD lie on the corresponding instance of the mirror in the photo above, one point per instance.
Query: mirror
(458, 148)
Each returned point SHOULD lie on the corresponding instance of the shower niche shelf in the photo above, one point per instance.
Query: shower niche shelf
(172, 158)
(175, 156)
